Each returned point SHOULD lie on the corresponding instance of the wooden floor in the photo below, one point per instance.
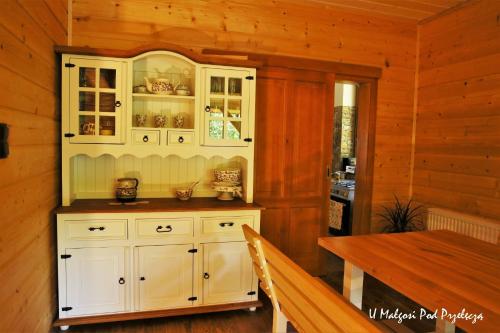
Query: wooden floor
(375, 294)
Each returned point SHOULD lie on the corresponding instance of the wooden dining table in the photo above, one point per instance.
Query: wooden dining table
(454, 278)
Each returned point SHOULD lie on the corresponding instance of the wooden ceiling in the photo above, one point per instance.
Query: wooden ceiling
(409, 9)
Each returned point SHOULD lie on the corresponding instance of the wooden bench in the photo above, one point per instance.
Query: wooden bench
(297, 297)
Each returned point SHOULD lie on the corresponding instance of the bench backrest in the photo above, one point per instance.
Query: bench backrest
(308, 304)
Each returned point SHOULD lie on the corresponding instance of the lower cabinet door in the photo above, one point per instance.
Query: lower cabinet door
(165, 276)
(227, 273)
(95, 280)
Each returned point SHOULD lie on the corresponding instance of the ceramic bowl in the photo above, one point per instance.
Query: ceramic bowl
(232, 175)
(183, 193)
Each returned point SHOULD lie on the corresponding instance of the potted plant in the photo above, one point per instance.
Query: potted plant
(402, 217)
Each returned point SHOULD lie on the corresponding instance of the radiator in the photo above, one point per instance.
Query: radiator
(477, 227)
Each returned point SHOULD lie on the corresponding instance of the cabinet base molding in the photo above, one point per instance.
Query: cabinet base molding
(154, 314)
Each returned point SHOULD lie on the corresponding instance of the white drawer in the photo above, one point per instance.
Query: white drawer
(96, 229)
(180, 138)
(158, 228)
(231, 225)
(140, 137)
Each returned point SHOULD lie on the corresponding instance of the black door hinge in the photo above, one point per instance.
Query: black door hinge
(194, 298)
(68, 64)
(193, 250)
(68, 135)
(251, 293)
(67, 308)
(249, 77)
(65, 256)
(248, 139)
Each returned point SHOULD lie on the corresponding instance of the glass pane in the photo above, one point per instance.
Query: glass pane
(234, 86)
(87, 101)
(106, 102)
(107, 78)
(87, 77)
(216, 107)
(217, 85)
(234, 108)
(234, 130)
(107, 125)
(216, 129)
(87, 125)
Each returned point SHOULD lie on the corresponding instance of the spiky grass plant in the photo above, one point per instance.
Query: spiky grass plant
(402, 217)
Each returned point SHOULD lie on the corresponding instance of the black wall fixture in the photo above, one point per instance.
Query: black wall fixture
(4, 140)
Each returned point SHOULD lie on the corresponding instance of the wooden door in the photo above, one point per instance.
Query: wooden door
(95, 280)
(294, 118)
(227, 273)
(165, 276)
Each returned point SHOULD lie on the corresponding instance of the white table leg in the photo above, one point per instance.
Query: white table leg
(443, 326)
(279, 322)
(353, 284)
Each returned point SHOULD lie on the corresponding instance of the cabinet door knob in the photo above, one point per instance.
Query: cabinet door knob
(145, 138)
(206, 276)
(181, 139)
(207, 108)
(121, 281)
(118, 104)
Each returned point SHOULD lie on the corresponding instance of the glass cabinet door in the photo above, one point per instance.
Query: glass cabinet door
(95, 101)
(226, 107)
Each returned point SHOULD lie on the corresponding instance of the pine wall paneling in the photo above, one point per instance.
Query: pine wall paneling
(29, 185)
(457, 151)
(292, 28)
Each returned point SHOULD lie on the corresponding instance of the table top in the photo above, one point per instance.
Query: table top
(437, 269)
(154, 205)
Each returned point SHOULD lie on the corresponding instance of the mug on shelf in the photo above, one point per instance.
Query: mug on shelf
(179, 121)
(160, 120)
(140, 120)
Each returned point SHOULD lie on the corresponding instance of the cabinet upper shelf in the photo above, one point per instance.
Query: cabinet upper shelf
(160, 96)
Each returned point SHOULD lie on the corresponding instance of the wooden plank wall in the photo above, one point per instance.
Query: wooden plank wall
(457, 151)
(29, 181)
(292, 27)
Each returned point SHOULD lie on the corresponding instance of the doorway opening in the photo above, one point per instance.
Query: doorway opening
(343, 180)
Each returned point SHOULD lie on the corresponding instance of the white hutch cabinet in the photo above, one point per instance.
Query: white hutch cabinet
(168, 120)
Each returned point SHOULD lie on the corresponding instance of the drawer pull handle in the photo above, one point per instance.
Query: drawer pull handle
(206, 276)
(96, 228)
(168, 228)
(229, 224)
(121, 281)
(142, 278)
(145, 138)
(181, 139)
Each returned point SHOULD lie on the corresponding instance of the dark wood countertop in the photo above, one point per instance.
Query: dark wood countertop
(155, 205)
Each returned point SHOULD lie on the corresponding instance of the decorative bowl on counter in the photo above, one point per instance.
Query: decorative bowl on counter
(184, 193)
(230, 175)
